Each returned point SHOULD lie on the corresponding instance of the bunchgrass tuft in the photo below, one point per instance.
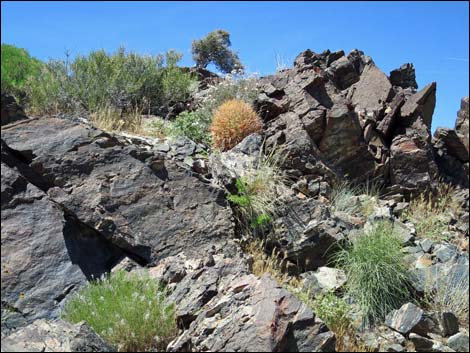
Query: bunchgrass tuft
(259, 192)
(128, 311)
(111, 120)
(378, 278)
(448, 293)
(345, 197)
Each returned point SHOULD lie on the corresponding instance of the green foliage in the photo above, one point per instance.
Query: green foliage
(333, 311)
(121, 80)
(128, 311)
(17, 67)
(259, 193)
(358, 199)
(193, 125)
(377, 274)
(214, 48)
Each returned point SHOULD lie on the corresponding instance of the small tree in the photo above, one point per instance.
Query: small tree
(215, 48)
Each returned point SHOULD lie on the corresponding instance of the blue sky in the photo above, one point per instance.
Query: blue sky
(432, 35)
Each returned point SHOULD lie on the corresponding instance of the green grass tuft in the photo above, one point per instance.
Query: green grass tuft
(378, 278)
(128, 311)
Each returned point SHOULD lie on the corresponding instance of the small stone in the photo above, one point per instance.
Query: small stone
(448, 323)
(459, 342)
(330, 278)
(426, 244)
(422, 344)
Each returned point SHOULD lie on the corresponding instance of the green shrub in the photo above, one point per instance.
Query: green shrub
(17, 67)
(121, 80)
(193, 125)
(378, 278)
(333, 311)
(214, 48)
(128, 311)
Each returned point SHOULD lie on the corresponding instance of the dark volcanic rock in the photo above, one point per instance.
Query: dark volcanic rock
(372, 90)
(11, 111)
(46, 253)
(342, 73)
(462, 122)
(420, 104)
(55, 336)
(152, 211)
(404, 76)
(255, 314)
(343, 147)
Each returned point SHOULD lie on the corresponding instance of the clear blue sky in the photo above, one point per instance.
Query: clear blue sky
(432, 35)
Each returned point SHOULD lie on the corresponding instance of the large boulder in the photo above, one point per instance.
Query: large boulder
(46, 252)
(462, 122)
(251, 314)
(420, 104)
(144, 203)
(55, 336)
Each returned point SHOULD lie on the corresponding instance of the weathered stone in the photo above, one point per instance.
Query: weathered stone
(421, 344)
(448, 139)
(420, 104)
(255, 314)
(150, 213)
(372, 90)
(55, 336)
(343, 147)
(46, 252)
(330, 278)
(462, 122)
(11, 111)
(334, 56)
(386, 126)
(342, 73)
(410, 318)
(448, 323)
(404, 76)
(459, 342)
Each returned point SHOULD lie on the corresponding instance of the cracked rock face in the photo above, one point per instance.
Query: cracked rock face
(237, 311)
(75, 200)
(55, 336)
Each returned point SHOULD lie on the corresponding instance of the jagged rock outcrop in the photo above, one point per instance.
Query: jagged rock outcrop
(55, 336)
(451, 148)
(342, 111)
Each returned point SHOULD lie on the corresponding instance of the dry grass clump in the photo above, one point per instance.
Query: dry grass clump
(111, 120)
(429, 211)
(232, 122)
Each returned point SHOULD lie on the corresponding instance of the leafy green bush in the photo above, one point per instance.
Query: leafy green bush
(128, 311)
(122, 80)
(214, 48)
(333, 311)
(377, 274)
(193, 125)
(17, 67)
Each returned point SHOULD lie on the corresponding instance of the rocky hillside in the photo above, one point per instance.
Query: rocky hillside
(78, 203)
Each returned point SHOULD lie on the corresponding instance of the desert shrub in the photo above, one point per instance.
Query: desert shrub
(429, 211)
(448, 292)
(17, 67)
(193, 125)
(232, 122)
(260, 192)
(378, 278)
(214, 48)
(128, 311)
(122, 80)
(333, 311)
